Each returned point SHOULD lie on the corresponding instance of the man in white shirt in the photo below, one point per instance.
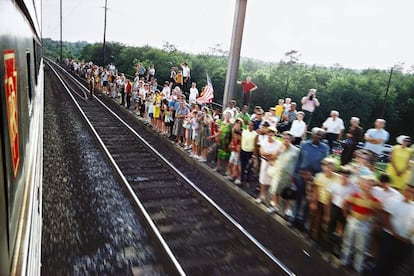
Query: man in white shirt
(384, 192)
(334, 127)
(396, 246)
(186, 76)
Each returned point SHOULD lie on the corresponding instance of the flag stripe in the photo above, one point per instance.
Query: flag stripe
(208, 94)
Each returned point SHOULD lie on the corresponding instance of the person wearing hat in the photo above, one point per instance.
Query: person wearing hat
(282, 175)
(398, 167)
(319, 203)
(360, 209)
(268, 151)
(396, 248)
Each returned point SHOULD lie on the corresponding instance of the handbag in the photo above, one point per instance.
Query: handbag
(186, 124)
(271, 169)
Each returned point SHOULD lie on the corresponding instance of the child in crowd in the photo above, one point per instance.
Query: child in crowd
(286, 105)
(195, 133)
(167, 120)
(279, 109)
(234, 160)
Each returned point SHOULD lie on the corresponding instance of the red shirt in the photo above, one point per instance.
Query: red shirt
(128, 88)
(247, 86)
(363, 208)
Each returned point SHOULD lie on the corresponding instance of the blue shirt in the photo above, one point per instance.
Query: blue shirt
(376, 134)
(310, 157)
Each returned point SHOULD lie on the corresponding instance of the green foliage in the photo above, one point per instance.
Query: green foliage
(352, 93)
(51, 48)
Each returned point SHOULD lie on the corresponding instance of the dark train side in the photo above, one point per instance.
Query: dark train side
(21, 137)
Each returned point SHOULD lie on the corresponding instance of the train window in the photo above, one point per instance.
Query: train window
(29, 74)
(36, 59)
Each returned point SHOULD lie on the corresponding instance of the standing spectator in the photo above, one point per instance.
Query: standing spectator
(186, 77)
(269, 149)
(141, 71)
(334, 127)
(338, 192)
(157, 101)
(121, 86)
(244, 115)
(181, 112)
(307, 164)
(396, 247)
(359, 209)
(167, 121)
(205, 132)
(247, 87)
(151, 72)
(309, 103)
(384, 192)
(224, 135)
(173, 73)
(298, 128)
(105, 82)
(91, 83)
(273, 120)
(235, 144)
(375, 138)
(178, 81)
(320, 205)
(288, 117)
(279, 109)
(282, 176)
(128, 91)
(166, 90)
(352, 138)
(258, 119)
(193, 93)
(362, 165)
(248, 145)
(195, 133)
(398, 167)
(286, 105)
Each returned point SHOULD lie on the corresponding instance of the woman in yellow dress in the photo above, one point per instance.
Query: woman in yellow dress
(399, 166)
(157, 110)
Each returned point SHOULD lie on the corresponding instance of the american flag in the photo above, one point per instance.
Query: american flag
(208, 95)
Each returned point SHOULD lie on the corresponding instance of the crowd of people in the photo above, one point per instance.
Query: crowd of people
(344, 205)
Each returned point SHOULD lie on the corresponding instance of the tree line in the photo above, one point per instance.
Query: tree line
(360, 93)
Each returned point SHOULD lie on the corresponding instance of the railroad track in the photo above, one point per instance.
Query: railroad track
(195, 235)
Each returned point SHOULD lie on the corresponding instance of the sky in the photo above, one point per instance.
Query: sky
(355, 34)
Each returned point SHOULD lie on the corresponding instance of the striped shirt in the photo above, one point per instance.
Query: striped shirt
(363, 208)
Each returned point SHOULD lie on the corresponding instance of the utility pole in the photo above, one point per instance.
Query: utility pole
(61, 50)
(234, 55)
(104, 37)
(386, 93)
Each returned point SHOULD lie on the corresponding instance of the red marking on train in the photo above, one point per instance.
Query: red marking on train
(10, 84)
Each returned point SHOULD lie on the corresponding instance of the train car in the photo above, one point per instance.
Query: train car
(21, 137)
